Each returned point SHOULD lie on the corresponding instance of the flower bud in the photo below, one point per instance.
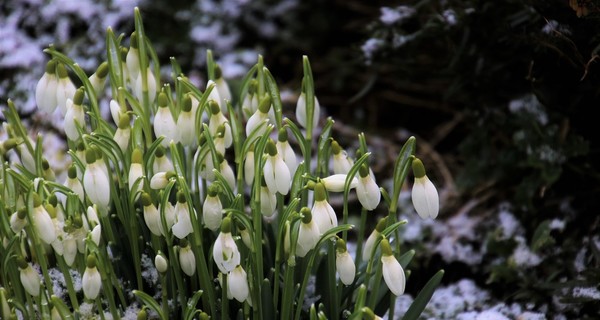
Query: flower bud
(187, 260)
(45, 90)
(161, 263)
(367, 189)
(91, 282)
(238, 284)
(30, 279)
(425, 197)
(393, 274)
(336, 182)
(308, 234)
(212, 209)
(344, 264)
(302, 111)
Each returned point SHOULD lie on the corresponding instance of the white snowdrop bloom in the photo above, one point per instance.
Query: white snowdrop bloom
(69, 249)
(183, 222)
(222, 88)
(250, 101)
(136, 171)
(206, 165)
(343, 263)
(73, 183)
(96, 234)
(336, 182)
(237, 284)
(98, 78)
(57, 244)
(225, 251)
(342, 163)
(91, 282)
(249, 166)
(425, 197)
(226, 171)
(212, 207)
(268, 200)
(216, 120)
(75, 116)
(115, 110)
(187, 260)
(151, 214)
(65, 89)
(132, 59)
(91, 218)
(45, 90)
(164, 123)
(322, 212)
(161, 163)
(308, 234)
(161, 179)
(261, 115)
(123, 132)
(276, 173)
(18, 220)
(161, 263)
(302, 112)
(30, 279)
(95, 181)
(186, 123)
(393, 274)
(26, 157)
(286, 151)
(214, 95)
(246, 237)
(138, 89)
(169, 214)
(369, 246)
(44, 228)
(367, 189)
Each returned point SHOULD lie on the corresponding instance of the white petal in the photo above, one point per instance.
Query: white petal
(95, 183)
(183, 226)
(74, 117)
(186, 128)
(282, 176)
(91, 283)
(45, 93)
(425, 198)
(345, 267)
(115, 110)
(164, 125)
(268, 202)
(187, 261)
(159, 181)
(211, 213)
(249, 168)
(324, 216)
(152, 219)
(69, 250)
(342, 163)
(64, 90)
(225, 253)
(30, 280)
(393, 274)
(136, 171)
(269, 175)
(308, 236)
(369, 245)
(301, 112)
(238, 284)
(368, 193)
(336, 182)
(43, 225)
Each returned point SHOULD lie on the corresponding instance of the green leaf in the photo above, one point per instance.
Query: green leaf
(150, 302)
(420, 302)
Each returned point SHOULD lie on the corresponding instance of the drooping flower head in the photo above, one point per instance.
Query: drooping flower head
(91, 282)
(75, 115)
(65, 89)
(183, 222)
(277, 174)
(322, 212)
(212, 208)
(45, 90)
(225, 251)
(222, 88)
(425, 197)
(187, 260)
(343, 262)
(30, 279)
(237, 284)
(286, 151)
(186, 123)
(367, 189)
(98, 78)
(136, 171)
(308, 234)
(95, 181)
(372, 239)
(393, 274)
(44, 228)
(164, 123)
(151, 214)
(342, 163)
(259, 116)
(302, 111)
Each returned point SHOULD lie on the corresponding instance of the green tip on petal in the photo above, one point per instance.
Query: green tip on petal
(306, 214)
(78, 98)
(214, 107)
(163, 100)
(220, 131)
(51, 67)
(418, 168)
(386, 248)
(282, 135)
(226, 225)
(186, 104)
(320, 193)
(271, 148)
(102, 70)
(90, 262)
(51, 210)
(265, 104)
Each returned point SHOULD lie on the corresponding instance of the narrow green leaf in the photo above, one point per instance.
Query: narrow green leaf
(150, 302)
(420, 302)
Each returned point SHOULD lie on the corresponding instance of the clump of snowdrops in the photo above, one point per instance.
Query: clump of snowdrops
(228, 198)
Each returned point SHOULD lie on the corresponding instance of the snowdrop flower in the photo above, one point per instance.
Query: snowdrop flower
(222, 88)
(225, 251)
(322, 212)
(91, 282)
(161, 263)
(425, 197)
(186, 123)
(115, 110)
(212, 209)
(216, 120)
(268, 200)
(219, 139)
(26, 157)
(284, 148)
(183, 222)
(342, 163)
(75, 115)
(246, 237)
(308, 234)
(45, 90)
(161, 161)
(47, 171)
(123, 132)
(276, 173)
(367, 190)
(65, 89)
(91, 217)
(250, 102)
(237, 284)
(136, 171)
(132, 59)
(169, 215)
(96, 234)
(73, 183)
(95, 181)
(336, 182)
(164, 124)
(369, 246)
(215, 96)
(206, 162)
(138, 88)
(393, 274)
(161, 180)
(58, 225)
(69, 249)
(343, 263)
(187, 260)
(302, 112)
(249, 166)
(261, 115)
(30, 279)
(44, 228)
(98, 78)
(226, 171)
(151, 214)
(18, 220)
